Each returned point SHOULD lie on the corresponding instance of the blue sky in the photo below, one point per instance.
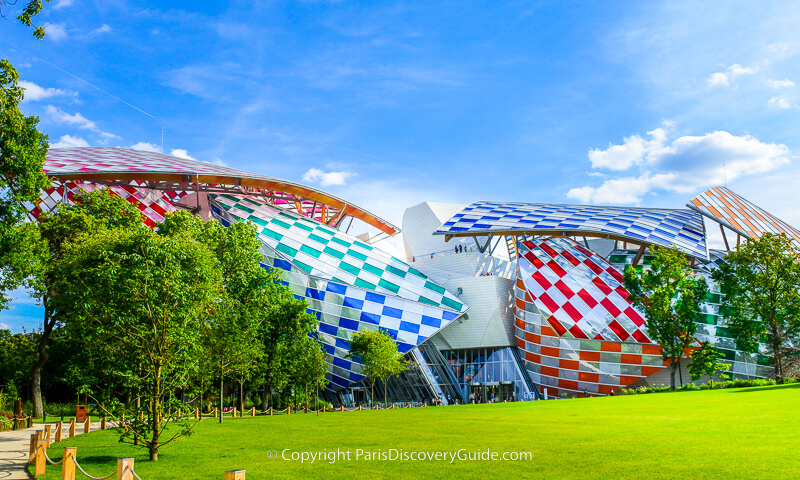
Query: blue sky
(389, 104)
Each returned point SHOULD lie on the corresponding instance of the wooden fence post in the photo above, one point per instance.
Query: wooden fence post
(47, 432)
(215, 412)
(59, 428)
(343, 407)
(125, 469)
(32, 454)
(270, 411)
(71, 428)
(235, 475)
(87, 425)
(68, 467)
(103, 423)
(253, 412)
(233, 412)
(39, 458)
(30, 421)
(196, 413)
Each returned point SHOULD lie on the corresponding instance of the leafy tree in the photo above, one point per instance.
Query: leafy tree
(670, 294)
(17, 354)
(704, 362)
(761, 284)
(288, 323)
(22, 155)
(91, 212)
(143, 297)
(310, 366)
(377, 351)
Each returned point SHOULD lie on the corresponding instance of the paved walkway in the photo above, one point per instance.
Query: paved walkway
(15, 446)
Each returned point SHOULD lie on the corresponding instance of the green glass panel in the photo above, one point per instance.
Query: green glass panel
(349, 268)
(334, 253)
(326, 231)
(244, 208)
(311, 251)
(303, 266)
(281, 223)
(417, 273)
(396, 271)
(389, 286)
(427, 301)
(363, 245)
(728, 354)
(373, 269)
(617, 258)
(271, 234)
(259, 221)
(762, 360)
(436, 288)
(319, 239)
(286, 249)
(303, 226)
(364, 284)
(340, 241)
(357, 255)
(451, 303)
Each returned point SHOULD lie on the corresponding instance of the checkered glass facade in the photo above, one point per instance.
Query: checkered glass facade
(663, 227)
(372, 291)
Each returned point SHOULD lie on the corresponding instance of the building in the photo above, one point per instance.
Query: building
(493, 300)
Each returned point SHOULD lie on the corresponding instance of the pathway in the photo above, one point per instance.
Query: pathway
(14, 448)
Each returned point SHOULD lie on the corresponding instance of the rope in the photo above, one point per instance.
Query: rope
(50, 461)
(84, 471)
(128, 467)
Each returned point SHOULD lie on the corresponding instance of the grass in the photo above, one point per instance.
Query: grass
(735, 433)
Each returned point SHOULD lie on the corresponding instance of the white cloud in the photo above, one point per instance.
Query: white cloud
(55, 31)
(779, 83)
(68, 141)
(34, 92)
(778, 47)
(4, 326)
(681, 166)
(781, 101)
(63, 3)
(145, 147)
(326, 179)
(181, 153)
(100, 30)
(219, 161)
(723, 79)
(77, 120)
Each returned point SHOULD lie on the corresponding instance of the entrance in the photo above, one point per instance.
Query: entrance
(488, 392)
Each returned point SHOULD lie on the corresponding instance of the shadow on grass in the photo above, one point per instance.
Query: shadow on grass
(770, 387)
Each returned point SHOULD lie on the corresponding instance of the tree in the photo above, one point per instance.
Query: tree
(22, 155)
(670, 294)
(143, 297)
(704, 362)
(310, 366)
(377, 351)
(761, 284)
(17, 354)
(91, 212)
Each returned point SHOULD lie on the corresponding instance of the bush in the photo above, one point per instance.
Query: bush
(738, 383)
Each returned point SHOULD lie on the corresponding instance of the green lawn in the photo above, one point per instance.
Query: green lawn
(736, 433)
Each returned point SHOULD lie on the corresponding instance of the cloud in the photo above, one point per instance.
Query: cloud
(781, 101)
(101, 30)
(326, 179)
(218, 161)
(34, 92)
(68, 141)
(77, 120)
(181, 153)
(4, 326)
(63, 3)
(723, 79)
(145, 147)
(778, 47)
(55, 31)
(680, 166)
(779, 83)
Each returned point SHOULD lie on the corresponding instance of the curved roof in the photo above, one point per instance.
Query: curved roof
(645, 226)
(121, 164)
(740, 215)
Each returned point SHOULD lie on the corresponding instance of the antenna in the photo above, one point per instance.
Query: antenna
(162, 145)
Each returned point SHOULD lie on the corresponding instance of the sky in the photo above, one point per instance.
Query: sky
(389, 104)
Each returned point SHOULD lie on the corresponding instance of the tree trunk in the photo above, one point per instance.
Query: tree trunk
(266, 402)
(385, 398)
(680, 372)
(241, 397)
(316, 397)
(672, 375)
(36, 373)
(156, 420)
(221, 385)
